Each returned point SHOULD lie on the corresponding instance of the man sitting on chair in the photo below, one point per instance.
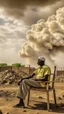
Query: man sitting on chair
(41, 74)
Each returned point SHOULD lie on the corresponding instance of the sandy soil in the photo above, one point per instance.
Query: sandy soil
(38, 101)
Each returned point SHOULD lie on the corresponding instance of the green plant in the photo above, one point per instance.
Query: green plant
(16, 65)
(22, 65)
(3, 64)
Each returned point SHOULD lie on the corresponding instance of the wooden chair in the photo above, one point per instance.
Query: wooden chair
(47, 89)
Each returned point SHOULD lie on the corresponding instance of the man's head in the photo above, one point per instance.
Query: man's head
(41, 61)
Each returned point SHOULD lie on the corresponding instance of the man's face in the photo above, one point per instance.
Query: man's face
(41, 63)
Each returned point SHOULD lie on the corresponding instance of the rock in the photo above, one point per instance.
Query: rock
(61, 105)
(7, 94)
(13, 94)
(9, 77)
(7, 113)
(1, 112)
(62, 95)
(3, 82)
(59, 98)
(60, 78)
(7, 99)
(24, 111)
(40, 97)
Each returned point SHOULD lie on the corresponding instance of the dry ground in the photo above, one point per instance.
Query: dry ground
(37, 101)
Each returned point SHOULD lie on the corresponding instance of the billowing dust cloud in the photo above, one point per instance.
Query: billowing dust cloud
(46, 38)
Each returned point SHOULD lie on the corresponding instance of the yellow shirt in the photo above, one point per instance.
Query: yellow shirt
(42, 71)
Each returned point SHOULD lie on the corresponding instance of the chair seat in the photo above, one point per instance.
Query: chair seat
(41, 88)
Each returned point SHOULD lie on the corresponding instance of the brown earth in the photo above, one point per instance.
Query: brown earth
(38, 102)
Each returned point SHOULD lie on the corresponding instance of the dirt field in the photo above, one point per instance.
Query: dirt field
(38, 101)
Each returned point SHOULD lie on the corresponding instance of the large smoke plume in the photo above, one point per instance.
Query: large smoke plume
(46, 38)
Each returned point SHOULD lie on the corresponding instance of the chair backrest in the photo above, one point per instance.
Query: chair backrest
(53, 76)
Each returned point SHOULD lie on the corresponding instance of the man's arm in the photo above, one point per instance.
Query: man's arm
(44, 78)
(28, 77)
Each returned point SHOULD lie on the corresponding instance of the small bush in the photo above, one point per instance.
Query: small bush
(22, 65)
(3, 64)
(16, 65)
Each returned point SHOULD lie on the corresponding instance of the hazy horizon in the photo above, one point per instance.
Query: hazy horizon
(16, 18)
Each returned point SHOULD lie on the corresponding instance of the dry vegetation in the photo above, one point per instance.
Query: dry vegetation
(9, 88)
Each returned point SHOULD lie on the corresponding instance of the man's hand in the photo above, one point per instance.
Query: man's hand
(44, 78)
(40, 79)
(25, 78)
(20, 81)
(36, 79)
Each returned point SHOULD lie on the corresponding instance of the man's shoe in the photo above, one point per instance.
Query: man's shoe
(19, 105)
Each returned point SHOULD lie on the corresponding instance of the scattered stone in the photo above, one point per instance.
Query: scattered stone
(61, 105)
(40, 97)
(60, 78)
(13, 94)
(7, 113)
(1, 112)
(59, 98)
(62, 95)
(37, 112)
(9, 77)
(7, 94)
(7, 99)
(24, 111)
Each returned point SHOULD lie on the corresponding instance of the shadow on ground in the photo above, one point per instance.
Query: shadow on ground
(43, 106)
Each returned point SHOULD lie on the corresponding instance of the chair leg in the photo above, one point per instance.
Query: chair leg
(28, 98)
(48, 107)
(54, 94)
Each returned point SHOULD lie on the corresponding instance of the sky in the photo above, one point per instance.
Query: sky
(16, 18)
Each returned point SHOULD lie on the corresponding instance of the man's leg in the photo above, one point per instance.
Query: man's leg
(24, 89)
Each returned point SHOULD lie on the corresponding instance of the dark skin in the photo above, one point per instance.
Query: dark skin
(44, 78)
(26, 78)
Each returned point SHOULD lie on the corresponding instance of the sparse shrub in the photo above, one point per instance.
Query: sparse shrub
(22, 65)
(3, 64)
(16, 65)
